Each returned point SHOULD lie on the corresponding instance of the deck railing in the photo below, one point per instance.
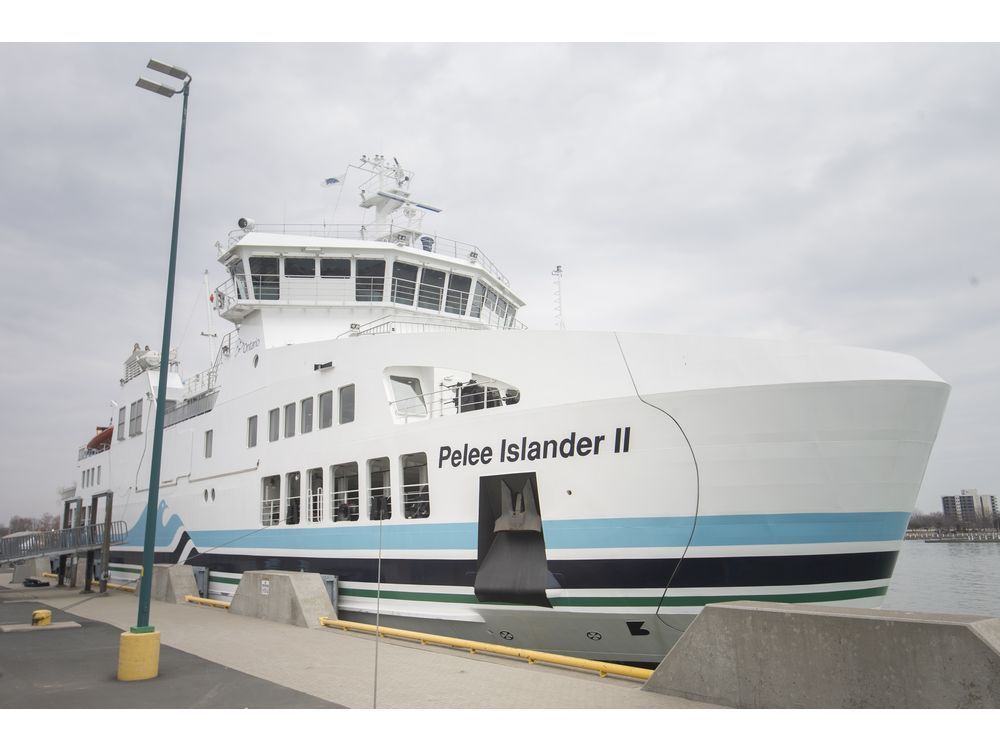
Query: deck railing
(64, 541)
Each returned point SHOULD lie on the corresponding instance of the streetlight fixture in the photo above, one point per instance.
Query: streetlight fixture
(139, 654)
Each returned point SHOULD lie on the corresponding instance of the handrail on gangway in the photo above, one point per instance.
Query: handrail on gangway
(60, 542)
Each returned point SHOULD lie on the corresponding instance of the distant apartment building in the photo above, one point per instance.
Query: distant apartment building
(970, 506)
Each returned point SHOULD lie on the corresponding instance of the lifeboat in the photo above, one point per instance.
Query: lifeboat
(102, 439)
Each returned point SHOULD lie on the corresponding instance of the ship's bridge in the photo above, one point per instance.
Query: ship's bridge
(372, 272)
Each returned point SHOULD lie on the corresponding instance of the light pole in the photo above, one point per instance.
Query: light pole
(139, 655)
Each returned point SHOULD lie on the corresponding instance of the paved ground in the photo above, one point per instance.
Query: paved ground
(330, 665)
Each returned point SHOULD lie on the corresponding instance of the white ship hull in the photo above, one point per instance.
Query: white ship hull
(683, 471)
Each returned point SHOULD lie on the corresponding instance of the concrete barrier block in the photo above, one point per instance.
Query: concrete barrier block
(32, 568)
(171, 583)
(282, 596)
(769, 655)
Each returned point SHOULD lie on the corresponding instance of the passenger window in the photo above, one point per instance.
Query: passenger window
(121, 423)
(135, 418)
(300, 268)
(408, 397)
(431, 289)
(472, 396)
(335, 268)
(264, 278)
(325, 409)
(370, 280)
(208, 443)
(344, 496)
(273, 424)
(458, 294)
(379, 493)
(307, 415)
(315, 495)
(347, 404)
(493, 397)
(416, 492)
(252, 431)
(270, 503)
(404, 283)
(289, 420)
(294, 502)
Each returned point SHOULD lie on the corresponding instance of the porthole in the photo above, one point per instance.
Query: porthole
(213, 494)
(256, 359)
(206, 496)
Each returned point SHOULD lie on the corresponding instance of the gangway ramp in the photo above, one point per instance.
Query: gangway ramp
(25, 546)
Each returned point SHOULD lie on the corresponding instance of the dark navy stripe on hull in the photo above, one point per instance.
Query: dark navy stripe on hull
(698, 572)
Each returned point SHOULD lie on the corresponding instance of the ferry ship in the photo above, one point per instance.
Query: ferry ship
(379, 414)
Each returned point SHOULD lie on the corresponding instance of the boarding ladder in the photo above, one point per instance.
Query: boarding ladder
(64, 542)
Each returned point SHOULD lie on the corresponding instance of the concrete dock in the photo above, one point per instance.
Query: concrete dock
(212, 658)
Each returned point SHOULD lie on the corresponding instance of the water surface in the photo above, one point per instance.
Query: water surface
(957, 578)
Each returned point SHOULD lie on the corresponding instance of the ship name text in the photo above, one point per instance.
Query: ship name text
(513, 451)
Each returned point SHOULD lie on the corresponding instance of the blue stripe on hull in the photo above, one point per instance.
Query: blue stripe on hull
(597, 533)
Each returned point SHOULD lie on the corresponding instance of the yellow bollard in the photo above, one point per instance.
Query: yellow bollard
(138, 656)
(41, 617)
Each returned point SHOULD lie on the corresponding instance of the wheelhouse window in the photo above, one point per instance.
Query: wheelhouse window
(325, 409)
(293, 502)
(121, 423)
(416, 492)
(379, 493)
(369, 281)
(264, 278)
(300, 268)
(307, 416)
(458, 294)
(208, 443)
(477, 299)
(335, 268)
(404, 283)
(408, 397)
(238, 273)
(290, 420)
(347, 404)
(315, 495)
(273, 424)
(344, 496)
(270, 500)
(252, 431)
(431, 289)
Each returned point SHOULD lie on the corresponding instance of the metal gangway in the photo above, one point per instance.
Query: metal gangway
(15, 548)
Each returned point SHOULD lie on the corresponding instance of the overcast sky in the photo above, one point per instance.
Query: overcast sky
(841, 193)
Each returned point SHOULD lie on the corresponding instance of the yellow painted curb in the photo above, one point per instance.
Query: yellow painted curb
(41, 617)
(138, 656)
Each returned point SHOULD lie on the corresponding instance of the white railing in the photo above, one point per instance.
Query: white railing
(396, 234)
(416, 500)
(472, 395)
(344, 505)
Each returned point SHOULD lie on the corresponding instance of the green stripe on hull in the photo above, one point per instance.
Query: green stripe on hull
(222, 579)
(632, 601)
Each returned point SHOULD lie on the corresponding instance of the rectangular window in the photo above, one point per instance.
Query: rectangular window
(273, 424)
(307, 415)
(344, 495)
(293, 503)
(135, 418)
(325, 409)
(264, 278)
(491, 299)
(252, 431)
(289, 420)
(379, 493)
(416, 492)
(370, 280)
(300, 268)
(458, 294)
(98, 475)
(347, 404)
(477, 300)
(121, 423)
(315, 495)
(83, 479)
(270, 500)
(208, 443)
(431, 289)
(404, 283)
(335, 268)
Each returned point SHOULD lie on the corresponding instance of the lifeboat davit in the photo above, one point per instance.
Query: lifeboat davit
(102, 439)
